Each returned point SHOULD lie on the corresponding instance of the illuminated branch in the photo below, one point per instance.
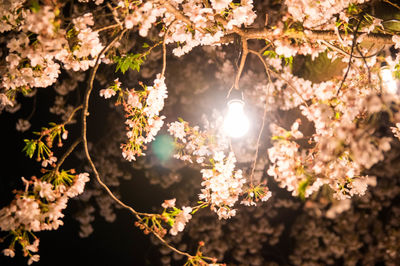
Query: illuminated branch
(66, 154)
(245, 51)
(391, 3)
(96, 173)
(33, 108)
(165, 49)
(268, 69)
(343, 52)
(115, 15)
(72, 114)
(258, 141)
(365, 62)
(351, 56)
(268, 34)
(178, 15)
(315, 35)
(107, 27)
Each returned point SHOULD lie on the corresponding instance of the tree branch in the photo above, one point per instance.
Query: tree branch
(245, 51)
(85, 145)
(66, 154)
(314, 35)
(351, 56)
(164, 47)
(278, 75)
(268, 34)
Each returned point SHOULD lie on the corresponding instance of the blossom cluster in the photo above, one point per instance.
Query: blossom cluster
(85, 44)
(33, 64)
(39, 207)
(181, 220)
(142, 110)
(222, 185)
(201, 27)
(341, 150)
(39, 47)
(318, 13)
(193, 144)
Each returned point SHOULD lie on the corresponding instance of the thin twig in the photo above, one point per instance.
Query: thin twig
(107, 27)
(245, 51)
(115, 15)
(258, 142)
(351, 56)
(85, 145)
(164, 47)
(393, 4)
(178, 15)
(262, 50)
(71, 115)
(277, 74)
(366, 64)
(343, 52)
(66, 154)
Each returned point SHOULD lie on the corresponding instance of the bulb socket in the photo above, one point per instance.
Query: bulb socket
(235, 95)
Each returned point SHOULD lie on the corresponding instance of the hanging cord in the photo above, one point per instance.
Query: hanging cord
(242, 58)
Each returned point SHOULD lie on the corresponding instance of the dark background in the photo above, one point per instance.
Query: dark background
(118, 243)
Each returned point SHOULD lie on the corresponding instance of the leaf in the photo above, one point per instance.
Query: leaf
(29, 148)
(288, 60)
(270, 54)
(35, 7)
(392, 25)
(302, 188)
(397, 71)
(170, 222)
(145, 45)
(130, 61)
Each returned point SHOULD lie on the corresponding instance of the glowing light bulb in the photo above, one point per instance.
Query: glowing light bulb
(388, 81)
(236, 124)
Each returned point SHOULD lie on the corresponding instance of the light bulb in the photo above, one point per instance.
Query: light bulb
(236, 124)
(388, 81)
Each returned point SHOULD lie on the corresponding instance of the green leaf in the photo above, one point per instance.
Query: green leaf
(270, 54)
(397, 72)
(302, 188)
(145, 45)
(170, 222)
(392, 25)
(35, 7)
(353, 9)
(29, 148)
(288, 60)
(130, 61)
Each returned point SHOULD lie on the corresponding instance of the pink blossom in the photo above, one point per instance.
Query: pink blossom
(107, 93)
(180, 220)
(9, 252)
(177, 129)
(168, 203)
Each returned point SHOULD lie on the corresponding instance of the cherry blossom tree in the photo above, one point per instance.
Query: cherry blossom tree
(314, 81)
